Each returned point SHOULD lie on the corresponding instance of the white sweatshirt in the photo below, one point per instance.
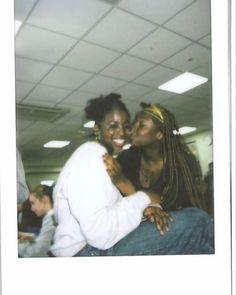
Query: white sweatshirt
(88, 208)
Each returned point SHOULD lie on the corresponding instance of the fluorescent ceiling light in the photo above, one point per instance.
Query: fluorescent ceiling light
(17, 24)
(183, 83)
(186, 129)
(47, 182)
(89, 124)
(56, 144)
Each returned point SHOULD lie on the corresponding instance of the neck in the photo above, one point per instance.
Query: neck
(152, 153)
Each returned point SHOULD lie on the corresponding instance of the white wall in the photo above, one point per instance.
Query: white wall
(204, 146)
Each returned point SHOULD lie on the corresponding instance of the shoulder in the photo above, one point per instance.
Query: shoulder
(48, 220)
(85, 152)
(89, 147)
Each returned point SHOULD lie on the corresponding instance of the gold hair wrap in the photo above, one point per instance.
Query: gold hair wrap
(155, 111)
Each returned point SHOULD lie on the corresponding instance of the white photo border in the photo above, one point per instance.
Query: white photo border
(184, 274)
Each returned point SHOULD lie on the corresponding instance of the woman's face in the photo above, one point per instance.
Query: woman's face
(114, 131)
(145, 131)
(37, 205)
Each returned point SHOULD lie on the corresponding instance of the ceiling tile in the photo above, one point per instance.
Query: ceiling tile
(157, 76)
(77, 38)
(22, 8)
(206, 41)
(66, 77)
(201, 91)
(159, 45)
(30, 70)
(41, 102)
(185, 102)
(70, 17)
(189, 58)
(127, 68)
(47, 93)
(133, 107)
(77, 98)
(133, 91)
(74, 121)
(204, 70)
(193, 22)
(102, 85)
(156, 11)
(158, 96)
(89, 57)
(40, 44)
(22, 124)
(119, 30)
(72, 110)
(23, 88)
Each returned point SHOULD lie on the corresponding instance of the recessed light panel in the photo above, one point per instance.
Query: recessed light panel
(186, 129)
(56, 144)
(183, 83)
(89, 124)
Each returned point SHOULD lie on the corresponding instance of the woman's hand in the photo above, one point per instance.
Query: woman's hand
(114, 170)
(159, 217)
(113, 167)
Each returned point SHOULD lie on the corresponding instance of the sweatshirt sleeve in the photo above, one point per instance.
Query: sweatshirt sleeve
(42, 243)
(104, 215)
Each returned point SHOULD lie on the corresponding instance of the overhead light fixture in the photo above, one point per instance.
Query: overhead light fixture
(89, 124)
(185, 130)
(183, 83)
(17, 25)
(47, 182)
(56, 144)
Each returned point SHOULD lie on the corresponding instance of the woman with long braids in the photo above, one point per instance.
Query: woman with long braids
(93, 217)
(160, 161)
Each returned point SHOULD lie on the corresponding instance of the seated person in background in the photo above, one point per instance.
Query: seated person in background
(158, 160)
(41, 203)
(29, 221)
(94, 219)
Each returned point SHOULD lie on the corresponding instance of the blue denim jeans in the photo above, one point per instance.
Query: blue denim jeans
(190, 232)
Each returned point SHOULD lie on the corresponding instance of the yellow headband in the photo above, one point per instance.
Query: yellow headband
(155, 112)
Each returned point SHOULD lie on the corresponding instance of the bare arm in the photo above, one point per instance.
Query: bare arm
(153, 214)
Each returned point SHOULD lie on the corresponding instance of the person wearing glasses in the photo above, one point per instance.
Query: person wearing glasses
(94, 219)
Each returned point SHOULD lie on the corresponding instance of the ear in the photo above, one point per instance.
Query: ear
(159, 135)
(45, 199)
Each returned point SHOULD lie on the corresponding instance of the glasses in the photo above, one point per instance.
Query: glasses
(114, 127)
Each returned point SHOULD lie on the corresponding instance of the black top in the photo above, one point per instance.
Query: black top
(130, 163)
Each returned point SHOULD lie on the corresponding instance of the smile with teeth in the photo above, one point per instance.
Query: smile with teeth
(119, 141)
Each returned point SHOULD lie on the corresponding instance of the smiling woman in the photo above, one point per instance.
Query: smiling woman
(92, 215)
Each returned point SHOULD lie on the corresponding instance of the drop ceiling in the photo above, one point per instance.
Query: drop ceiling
(68, 51)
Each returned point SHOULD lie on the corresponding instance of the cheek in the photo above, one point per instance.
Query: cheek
(142, 137)
(104, 138)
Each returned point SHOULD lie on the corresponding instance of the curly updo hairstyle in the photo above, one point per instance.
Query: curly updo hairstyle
(97, 108)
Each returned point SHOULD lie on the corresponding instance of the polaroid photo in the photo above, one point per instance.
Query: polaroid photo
(46, 65)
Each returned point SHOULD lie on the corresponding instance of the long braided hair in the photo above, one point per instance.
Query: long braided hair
(175, 152)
